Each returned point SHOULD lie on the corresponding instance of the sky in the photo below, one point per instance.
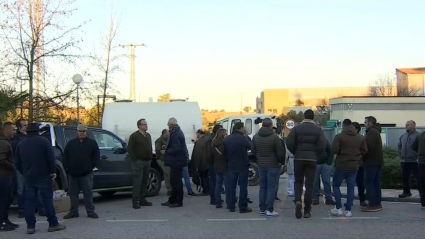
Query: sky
(212, 51)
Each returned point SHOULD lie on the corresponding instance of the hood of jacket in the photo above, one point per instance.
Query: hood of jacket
(265, 131)
(350, 130)
(377, 127)
(217, 142)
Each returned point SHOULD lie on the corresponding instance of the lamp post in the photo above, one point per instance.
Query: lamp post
(77, 79)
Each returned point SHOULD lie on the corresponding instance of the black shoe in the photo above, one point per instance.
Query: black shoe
(136, 206)
(93, 215)
(307, 214)
(249, 201)
(247, 210)
(174, 205)
(12, 224)
(21, 215)
(316, 202)
(192, 194)
(165, 204)
(218, 206)
(6, 228)
(298, 208)
(42, 213)
(330, 202)
(404, 195)
(70, 215)
(145, 203)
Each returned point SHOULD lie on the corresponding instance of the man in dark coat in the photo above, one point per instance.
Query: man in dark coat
(199, 161)
(210, 156)
(35, 160)
(81, 156)
(160, 144)
(305, 141)
(323, 171)
(175, 157)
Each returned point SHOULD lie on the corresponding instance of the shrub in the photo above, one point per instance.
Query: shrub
(391, 171)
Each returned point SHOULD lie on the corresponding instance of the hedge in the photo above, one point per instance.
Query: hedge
(391, 171)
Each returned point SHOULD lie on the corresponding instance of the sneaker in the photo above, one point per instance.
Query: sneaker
(336, 212)
(262, 213)
(57, 228)
(307, 214)
(348, 214)
(330, 202)
(165, 204)
(316, 202)
(247, 210)
(6, 227)
(70, 215)
(93, 215)
(404, 195)
(192, 194)
(272, 214)
(30, 230)
(298, 208)
(145, 203)
(277, 199)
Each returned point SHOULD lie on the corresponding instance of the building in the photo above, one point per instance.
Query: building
(278, 101)
(410, 81)
(391, 111)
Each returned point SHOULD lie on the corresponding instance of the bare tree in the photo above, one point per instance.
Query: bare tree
(35, 36)
(386, 85)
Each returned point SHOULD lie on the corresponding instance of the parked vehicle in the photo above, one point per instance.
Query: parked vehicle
(252, 124)
(114, 170)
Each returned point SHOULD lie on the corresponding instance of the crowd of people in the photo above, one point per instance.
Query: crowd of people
(219, 164)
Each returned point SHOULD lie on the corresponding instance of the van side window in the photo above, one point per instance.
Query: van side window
(233, 124)
(225, 124)
(248, 126)
(106, 141)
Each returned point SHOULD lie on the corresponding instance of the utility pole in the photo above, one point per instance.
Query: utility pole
(241, 102)
(132, 72)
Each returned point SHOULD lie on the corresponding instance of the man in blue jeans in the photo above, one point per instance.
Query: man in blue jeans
(235, 151)
(269, 151)
(419, 147)
(348, 146)
(35, 159)
(323, 170)
(373, 162)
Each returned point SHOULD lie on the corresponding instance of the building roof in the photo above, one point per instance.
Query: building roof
(420, 70)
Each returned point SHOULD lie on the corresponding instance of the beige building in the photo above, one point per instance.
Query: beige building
(410, 81)
(390, 110)
(278, 101)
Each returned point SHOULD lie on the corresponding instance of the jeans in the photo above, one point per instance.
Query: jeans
(166, 170)
(203, 175)
(372, 179)
(406, 170)
(268, 186)
(140, 179)
(304, 169)
(84, 184)
(20, 184)
(177, 186)
(185, 174)
(350, 178)
(323, 171)
(360, 184)
(45, 187)
(236, 177)
(212, 182)
(220, 179)
(421, 167)
(5, 198)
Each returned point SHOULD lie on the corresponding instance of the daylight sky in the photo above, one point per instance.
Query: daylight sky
(210, 51)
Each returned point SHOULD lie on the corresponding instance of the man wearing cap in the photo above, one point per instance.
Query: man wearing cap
(35, 160)
(81, 156)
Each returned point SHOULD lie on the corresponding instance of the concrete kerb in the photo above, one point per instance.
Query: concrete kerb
(391, 199)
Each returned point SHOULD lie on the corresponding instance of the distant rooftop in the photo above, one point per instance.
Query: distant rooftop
(420, 70)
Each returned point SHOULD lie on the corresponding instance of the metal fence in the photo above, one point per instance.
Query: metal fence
(390, 135)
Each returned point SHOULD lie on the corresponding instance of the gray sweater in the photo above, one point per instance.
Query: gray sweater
(405, 150)
(268, 148)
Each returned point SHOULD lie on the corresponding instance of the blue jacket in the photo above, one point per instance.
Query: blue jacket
(176, 154)
(235, 151)
(35, 158)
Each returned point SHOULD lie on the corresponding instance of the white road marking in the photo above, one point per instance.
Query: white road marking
(147, 220)
(37, 222)
(240, 219)
(349, 218)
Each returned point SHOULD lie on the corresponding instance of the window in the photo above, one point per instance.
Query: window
(106, 141)
(269, 110)
(248, 126)
(274, 111)
(233, 124)
(70, 134)
(225, 124)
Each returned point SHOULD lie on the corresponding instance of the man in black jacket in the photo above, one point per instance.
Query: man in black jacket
(323, 171)
(81, 156)
(210, 156)
(305, 141)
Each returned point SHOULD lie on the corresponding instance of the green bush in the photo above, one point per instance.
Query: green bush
(391, 171)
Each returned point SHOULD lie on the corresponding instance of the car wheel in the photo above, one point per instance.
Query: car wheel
(107, 193)
(154, 183)
(254, 175)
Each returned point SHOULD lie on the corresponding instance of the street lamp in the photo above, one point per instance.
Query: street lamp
(77, 79)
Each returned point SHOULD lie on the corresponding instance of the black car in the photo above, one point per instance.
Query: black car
(114, 170)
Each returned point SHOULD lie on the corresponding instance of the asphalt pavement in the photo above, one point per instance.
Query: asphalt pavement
(197, 219)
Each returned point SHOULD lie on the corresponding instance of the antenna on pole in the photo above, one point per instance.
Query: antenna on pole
(133, 73)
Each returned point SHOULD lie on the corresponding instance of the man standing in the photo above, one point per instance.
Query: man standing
(7, 172)
(175, 157)
(360, 174)
(409, 158)
(81, 156)
(323, 171)
(373, 162)
(269, 151)
(348, 146)
(35, 160)
(140, 151)
(305, 141)
(210, 160)
(199, 160)
(419, 147)
(235, 152)
(160, 144)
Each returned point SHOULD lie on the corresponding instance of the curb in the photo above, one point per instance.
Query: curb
(391, 199)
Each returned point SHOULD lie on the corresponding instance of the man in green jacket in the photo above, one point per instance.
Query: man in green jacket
(140, 151)
(160, 144)
(419, 147)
